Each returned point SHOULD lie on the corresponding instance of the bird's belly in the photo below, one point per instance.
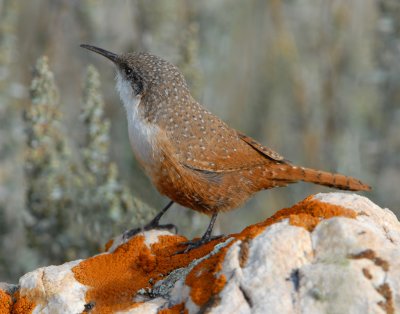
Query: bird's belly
(143, 140)
(200, 192)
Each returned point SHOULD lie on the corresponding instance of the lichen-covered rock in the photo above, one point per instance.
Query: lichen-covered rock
(331, 253)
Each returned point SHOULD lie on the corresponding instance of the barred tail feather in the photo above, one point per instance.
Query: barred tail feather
(334, 180)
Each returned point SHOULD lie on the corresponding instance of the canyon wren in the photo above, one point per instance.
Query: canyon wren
(190, 155)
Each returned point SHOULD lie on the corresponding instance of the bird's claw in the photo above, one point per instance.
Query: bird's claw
(194, 244)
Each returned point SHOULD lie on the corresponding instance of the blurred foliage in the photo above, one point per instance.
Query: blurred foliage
(316, 80)
(12, 242)
(47, 167)
(73, 208)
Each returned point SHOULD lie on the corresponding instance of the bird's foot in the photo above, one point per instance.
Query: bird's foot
(194, 244)
(150, 226)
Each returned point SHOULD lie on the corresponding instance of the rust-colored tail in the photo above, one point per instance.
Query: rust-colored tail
(291, 173)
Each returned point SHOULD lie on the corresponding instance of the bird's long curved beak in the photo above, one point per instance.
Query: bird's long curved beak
(109, 55)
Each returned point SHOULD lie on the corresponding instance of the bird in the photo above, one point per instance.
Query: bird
(192, 156)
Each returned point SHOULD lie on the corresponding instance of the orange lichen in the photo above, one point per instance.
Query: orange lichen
(387, 305)
(108, 245)
(244, 252)
(203, 278)
(304, 220)
(367, 274)
(371, 255)
(176, 309)
(115, 278)
(5, 302)
(307, 214)
(310, 212)
(22, 305)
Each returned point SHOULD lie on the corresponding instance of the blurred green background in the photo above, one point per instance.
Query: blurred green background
(316, 80)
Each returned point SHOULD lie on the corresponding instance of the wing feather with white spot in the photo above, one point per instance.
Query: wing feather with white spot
(200, 140)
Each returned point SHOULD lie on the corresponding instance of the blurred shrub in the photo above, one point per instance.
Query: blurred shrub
(74, 204)
(12, 246)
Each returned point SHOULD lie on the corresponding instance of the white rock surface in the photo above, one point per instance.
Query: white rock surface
(293, 271)
(343, 266)
(54, 289)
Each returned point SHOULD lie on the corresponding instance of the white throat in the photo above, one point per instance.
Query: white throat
(142, 134)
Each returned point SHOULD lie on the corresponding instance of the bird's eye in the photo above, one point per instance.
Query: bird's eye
(128, 71)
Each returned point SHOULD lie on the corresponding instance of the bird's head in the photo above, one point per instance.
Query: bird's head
(142, 74)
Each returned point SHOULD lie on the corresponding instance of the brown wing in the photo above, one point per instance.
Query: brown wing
(267, 152)
(200, 140)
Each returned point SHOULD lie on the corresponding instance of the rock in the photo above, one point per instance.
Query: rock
(331, 253)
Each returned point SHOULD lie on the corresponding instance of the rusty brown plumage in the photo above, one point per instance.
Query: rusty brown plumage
(224, 182)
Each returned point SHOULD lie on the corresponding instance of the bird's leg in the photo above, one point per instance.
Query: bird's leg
(153, 224)
(204, 239)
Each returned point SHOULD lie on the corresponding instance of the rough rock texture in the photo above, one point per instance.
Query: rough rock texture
(331, 253)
